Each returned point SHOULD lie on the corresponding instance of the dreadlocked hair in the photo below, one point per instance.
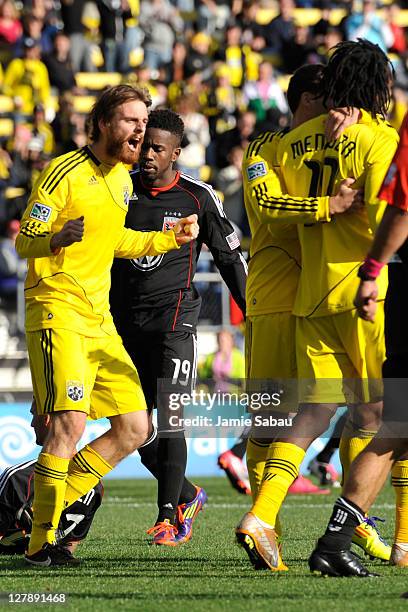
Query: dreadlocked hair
(358, 74)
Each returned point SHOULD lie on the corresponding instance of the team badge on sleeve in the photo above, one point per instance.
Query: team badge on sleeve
(75, 390)
(41, 212)
(233, 241)
(254, 171)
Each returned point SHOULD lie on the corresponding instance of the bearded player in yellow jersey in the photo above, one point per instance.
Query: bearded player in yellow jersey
(331, 346)
(72, 229)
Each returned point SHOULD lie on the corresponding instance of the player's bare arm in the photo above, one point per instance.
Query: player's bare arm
(390, 236)
(338, 119)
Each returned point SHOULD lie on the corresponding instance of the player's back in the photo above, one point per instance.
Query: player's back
(274, 265)
(332, 252)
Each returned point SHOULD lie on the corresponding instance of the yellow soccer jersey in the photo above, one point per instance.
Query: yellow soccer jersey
(70, 289)
(332, 252)
(274, 264)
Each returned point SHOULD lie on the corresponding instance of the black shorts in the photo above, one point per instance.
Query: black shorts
(395, 367)
(166, 363)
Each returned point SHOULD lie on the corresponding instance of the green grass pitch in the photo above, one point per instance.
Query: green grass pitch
(120, 571)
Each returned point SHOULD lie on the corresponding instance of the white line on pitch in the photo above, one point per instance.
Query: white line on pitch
(129, 503)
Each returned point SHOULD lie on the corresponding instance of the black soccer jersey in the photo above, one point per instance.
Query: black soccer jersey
(157, 293)
(16, 498)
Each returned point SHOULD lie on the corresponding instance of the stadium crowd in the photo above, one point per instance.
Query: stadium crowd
(222, 65)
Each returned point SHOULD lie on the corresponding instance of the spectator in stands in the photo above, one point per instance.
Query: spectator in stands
(81, 49)
(42, 130)
(160, 21)
(142, 75)
(173, 71)
(300, 50)
(232, 54)
(247, 21)
(113, 29)
(226, 102)
(68, 126)
(198, 59)
(320, 29)
(27, 78)
(213, 15)
(399, 44)
(35, 27)
(240, 136)
(367, 24)
(226, 367)
(229, 182)
(11, 28)
(12, 271)
(265, 93)
(281, 29)
(197, 136)
(59, 64)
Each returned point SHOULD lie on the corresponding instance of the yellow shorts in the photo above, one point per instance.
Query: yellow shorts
(339, 358)
(92, 375)
(270, 355)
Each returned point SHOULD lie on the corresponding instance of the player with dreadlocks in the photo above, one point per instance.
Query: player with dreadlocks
(358, 71)
(339, 357)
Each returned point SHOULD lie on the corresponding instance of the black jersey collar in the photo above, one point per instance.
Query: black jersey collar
(91, 155)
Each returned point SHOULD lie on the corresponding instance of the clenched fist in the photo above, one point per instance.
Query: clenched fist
(186, 229)
(73, 231)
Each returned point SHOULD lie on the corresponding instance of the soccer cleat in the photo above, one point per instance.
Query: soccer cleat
(51, 555)
(303, 486)
(14, 543)
(164, 533)
(325, 472)
(260, 544)
(337, 564)
(399, 554)
(186, 513)
(236, 471)
(366, 536)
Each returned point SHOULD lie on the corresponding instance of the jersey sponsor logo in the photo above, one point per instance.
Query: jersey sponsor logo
(170, 221)
(75, 390)
(93, 181)
(233, 241)
(254, 171)
(41, 212)
(126, 195)
(147, 262)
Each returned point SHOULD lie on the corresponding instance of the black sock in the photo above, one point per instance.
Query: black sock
(333, 443)
(148, 456)
(345, 517)
(239, 449)
(172, 461)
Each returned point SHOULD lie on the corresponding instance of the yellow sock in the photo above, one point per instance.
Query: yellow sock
(256, 454)
(352, 442)
(86, 469)
(399, 475)
(49, 490)
(281, 469)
